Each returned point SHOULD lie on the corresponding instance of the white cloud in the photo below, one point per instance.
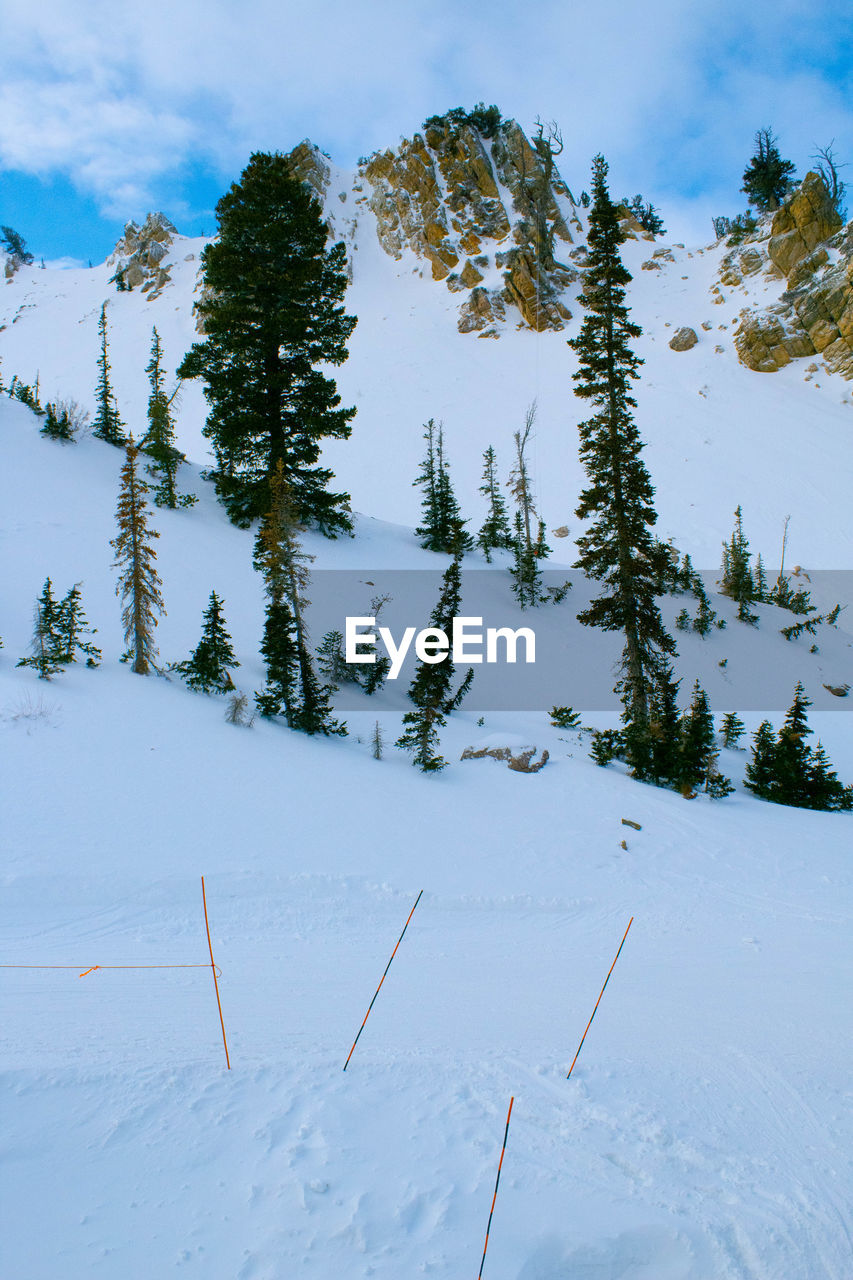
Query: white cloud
(120, 96)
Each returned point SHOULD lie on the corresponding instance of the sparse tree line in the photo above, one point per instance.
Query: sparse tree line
(272, 312)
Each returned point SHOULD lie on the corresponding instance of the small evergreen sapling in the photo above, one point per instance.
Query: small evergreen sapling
(732, 729)
(58, 424)
(376, 741)
(207, 668)
(59, 631)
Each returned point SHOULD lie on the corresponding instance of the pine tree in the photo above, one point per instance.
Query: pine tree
(73, 627)
(159, 440)
(108, 425)
(59, 631)
(787, 771)
(431, 689)
(759, 771)
(733, 729)
(57, 426)
(662, 743)
(332, 663)
(138, 584)
(207, 668)
(495, 532)
(767, 177)
(737, 580)
(525, 571)
(273, 317)
(618, 548)
(376, 741)
(292, 688)
(46, 656)
(792, 757)
(698, 750)
(442, 528)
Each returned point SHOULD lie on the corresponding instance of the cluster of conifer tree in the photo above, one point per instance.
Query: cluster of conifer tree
(786, 770)
(60, 631)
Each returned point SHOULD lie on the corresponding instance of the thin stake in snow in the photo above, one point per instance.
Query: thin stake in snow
(213, 971)
(382, 979)
(598, 1001)
(495, 1196)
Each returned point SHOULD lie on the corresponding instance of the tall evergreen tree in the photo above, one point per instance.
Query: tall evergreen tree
(207, 668)
(138, 584)
(431, 690)
(767, 177)
(495, 532)
(442, 527)
(272, 314)
(293, 689)
(159, 440)
(618, 547)
(108, 425)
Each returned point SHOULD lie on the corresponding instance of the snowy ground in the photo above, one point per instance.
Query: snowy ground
(706, 1132)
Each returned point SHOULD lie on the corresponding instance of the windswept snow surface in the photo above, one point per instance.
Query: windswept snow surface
(705, 1133)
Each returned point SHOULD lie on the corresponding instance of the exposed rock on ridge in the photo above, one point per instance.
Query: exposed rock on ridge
(805, 246)
(139, 253)
(453, 195)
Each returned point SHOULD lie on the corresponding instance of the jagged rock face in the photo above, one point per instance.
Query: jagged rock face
(308, 164)
(141, 250)
(814, 315)
(802, 223)
(453, 196)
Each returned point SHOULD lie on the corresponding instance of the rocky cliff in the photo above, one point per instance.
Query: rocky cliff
(804, 245)
(486, 209)
(139, 255)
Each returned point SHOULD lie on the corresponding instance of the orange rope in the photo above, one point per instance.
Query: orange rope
(108, 966)
(213, 970)
(598, 1001)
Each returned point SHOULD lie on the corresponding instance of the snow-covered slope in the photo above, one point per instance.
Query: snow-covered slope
(705, 1133)
(717, 433)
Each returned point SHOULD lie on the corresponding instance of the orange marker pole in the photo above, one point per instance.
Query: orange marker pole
(598, 1001)
(213, 971)
(381, 980)
(495, 1196)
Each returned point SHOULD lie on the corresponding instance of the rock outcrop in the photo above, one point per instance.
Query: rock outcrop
(683, 339)
(139, 255)
(484, 211)
(804, 245)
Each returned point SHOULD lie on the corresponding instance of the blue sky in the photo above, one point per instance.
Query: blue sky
(110, 110)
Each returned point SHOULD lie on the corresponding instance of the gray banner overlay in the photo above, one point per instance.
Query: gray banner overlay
(741, 666)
